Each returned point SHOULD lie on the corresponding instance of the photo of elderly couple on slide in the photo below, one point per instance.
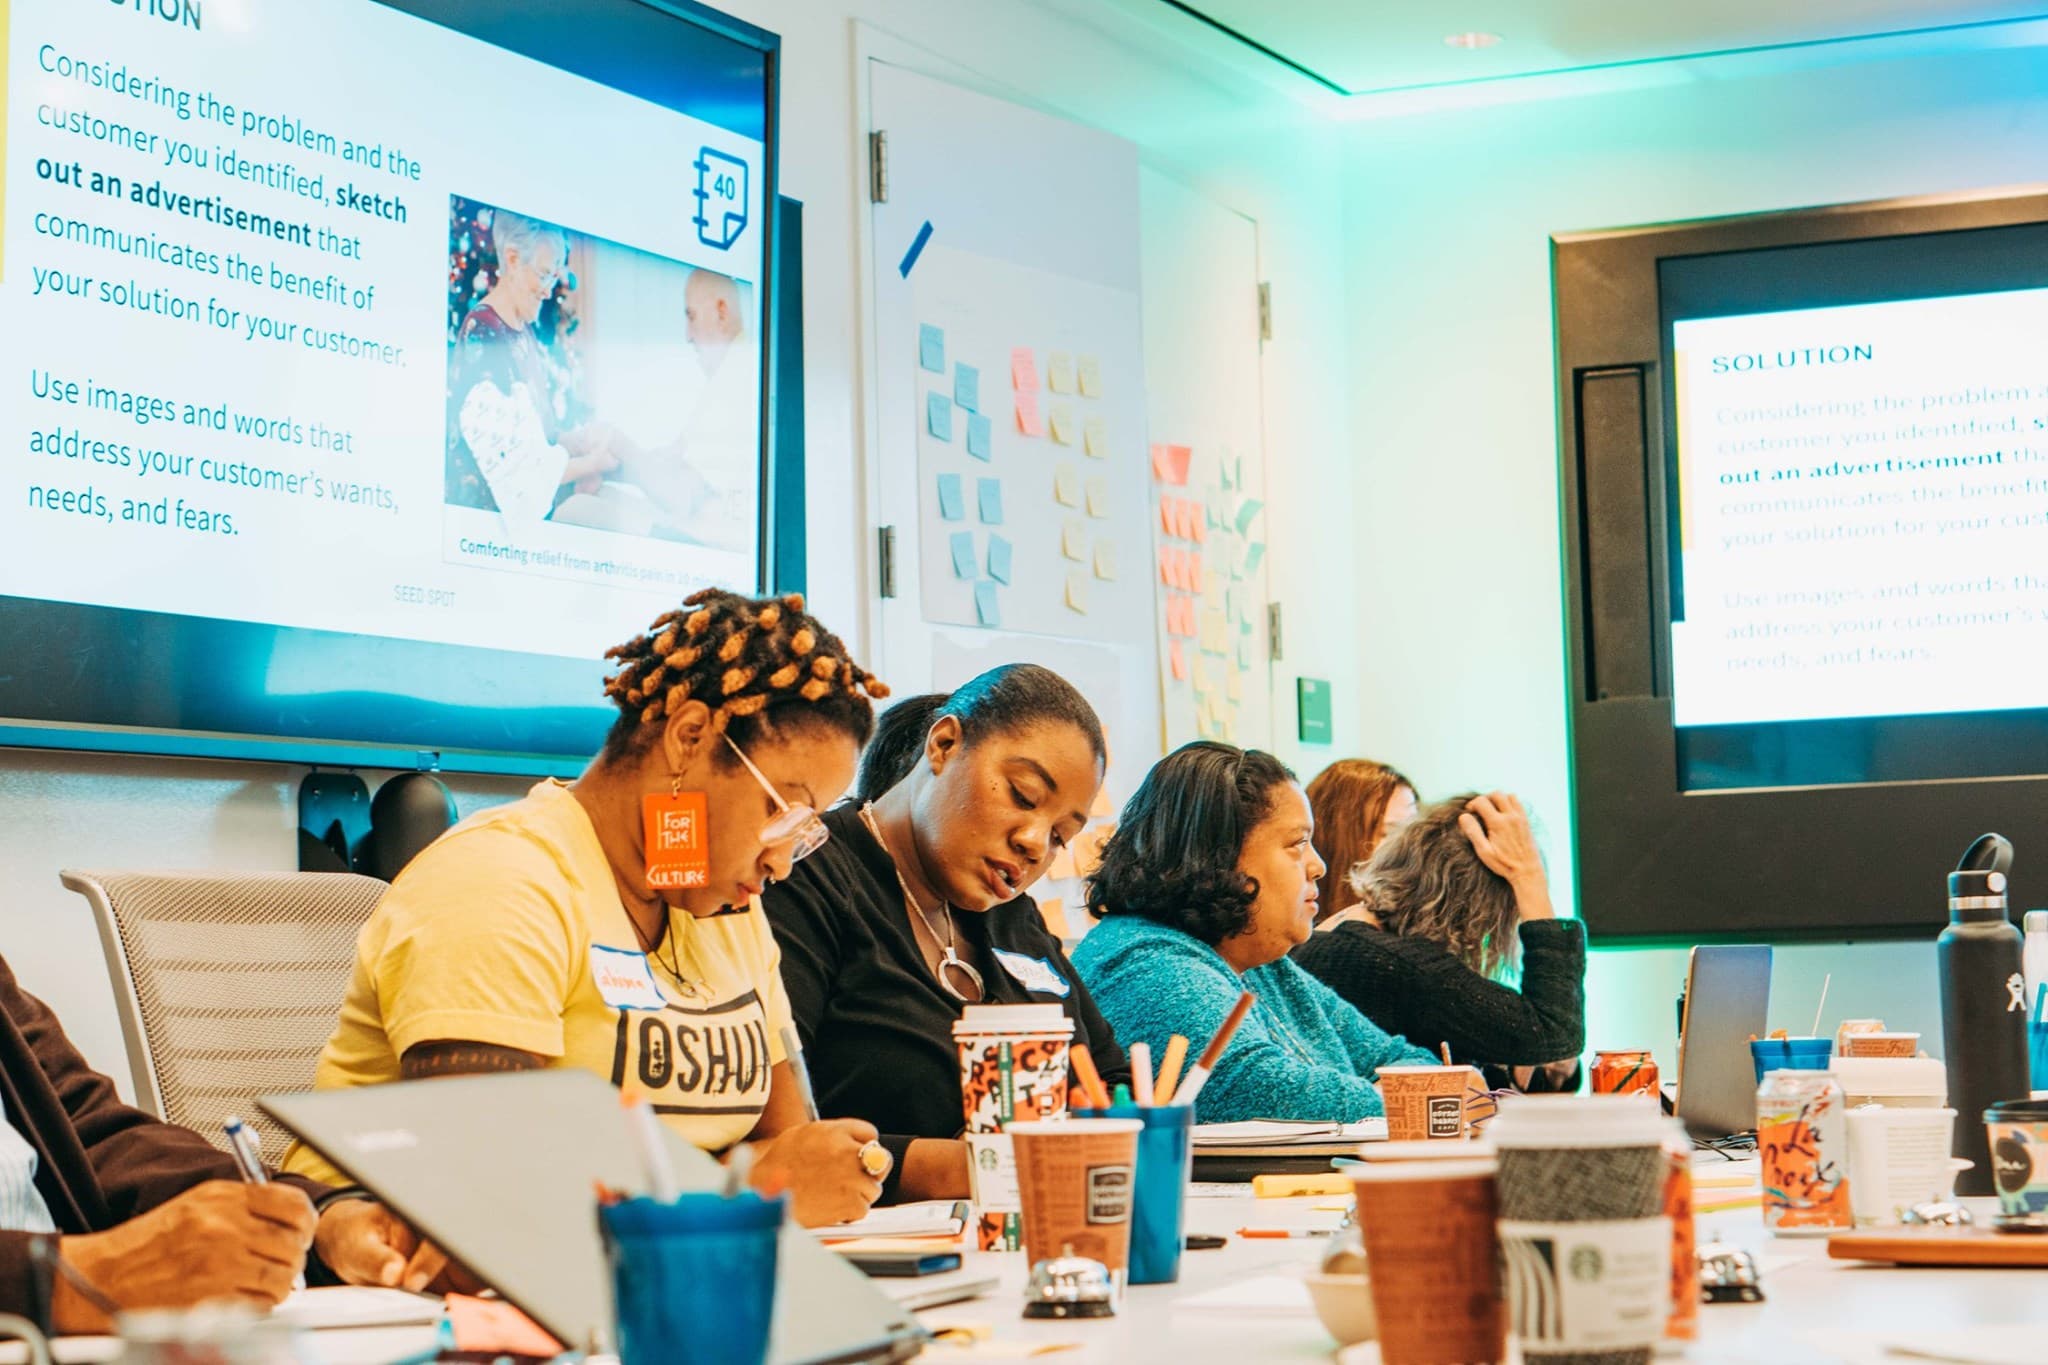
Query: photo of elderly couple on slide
(593, 384)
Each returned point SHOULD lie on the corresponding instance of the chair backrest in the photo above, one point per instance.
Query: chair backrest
(228, 984)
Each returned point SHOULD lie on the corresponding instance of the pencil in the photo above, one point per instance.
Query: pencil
(1083, 1062)
(1198, 1074)
(1141, 1073)
(1169, 1069)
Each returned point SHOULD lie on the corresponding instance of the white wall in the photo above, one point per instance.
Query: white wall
(1235, 140)
(1447, 221)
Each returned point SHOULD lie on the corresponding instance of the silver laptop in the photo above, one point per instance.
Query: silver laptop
(498, 1172)
(1727, 1003)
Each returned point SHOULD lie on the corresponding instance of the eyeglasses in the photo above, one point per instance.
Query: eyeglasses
(798, 826)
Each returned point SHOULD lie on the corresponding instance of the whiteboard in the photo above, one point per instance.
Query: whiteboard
(1006, 228)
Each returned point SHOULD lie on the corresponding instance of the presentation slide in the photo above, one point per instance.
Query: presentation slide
(321, 315)
(1863, 510)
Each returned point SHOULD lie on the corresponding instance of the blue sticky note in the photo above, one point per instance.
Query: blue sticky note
(967, 387)
(1246, 510)
(989, 492)
(931, 348)
(938, 415)
(998, 560)
(963, 555)
(1254, 555)
(986, 609)
(978, 436)
(952, 499)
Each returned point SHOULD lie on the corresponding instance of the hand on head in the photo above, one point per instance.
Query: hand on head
(1499, 829)
(219, 1240)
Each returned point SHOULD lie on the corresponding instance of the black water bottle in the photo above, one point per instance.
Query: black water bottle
(1983, 1002)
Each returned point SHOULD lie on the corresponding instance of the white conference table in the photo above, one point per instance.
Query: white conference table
(1816, 1311)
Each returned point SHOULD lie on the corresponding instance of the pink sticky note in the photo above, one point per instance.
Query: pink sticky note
(493, 1326)
(1170, 464)
(1194, 571)
(1023, 371)
(1166, 574)
(1180, 660)
(1166, 516)
(1028, 421)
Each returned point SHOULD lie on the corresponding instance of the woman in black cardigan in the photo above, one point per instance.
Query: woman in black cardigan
(1447, 907)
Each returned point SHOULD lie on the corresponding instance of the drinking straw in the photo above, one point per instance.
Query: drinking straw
(1169, 1069)
(1446, 1047)
(1198, 1074)
(1826, 981)
(1083, 1062)
(2041, 1004)
(1141, 1073)
(645, 1130)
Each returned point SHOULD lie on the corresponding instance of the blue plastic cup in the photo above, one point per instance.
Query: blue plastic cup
(1166, 1158)
(1790, 1054)
(693, 1281)
(2037, 1034)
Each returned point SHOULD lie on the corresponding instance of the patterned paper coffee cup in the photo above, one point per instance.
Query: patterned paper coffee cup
(1428, 1103)
(1880, 1044)
(1077, 1179)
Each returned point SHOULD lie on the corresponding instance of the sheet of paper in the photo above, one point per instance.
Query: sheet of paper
(1969, 1344)
(987, 610)
(1266, 1296)
(1029, 423)
(1105, 560)
(1179, 655)
(979, 434)
(1095, 438)
(335, 1306)
(926, 1218)
(938, 415)
(1059, 372)
(1023, 370)
(1077, 591)
(1066, 484)
(988, 497)
(1170, 464)
(1090, 376)
(931, 348)
(1098, 496)
(963, 554)
(1074, 538)
(1062, 422)
(999, 560)
(952, 501)
(967, 387)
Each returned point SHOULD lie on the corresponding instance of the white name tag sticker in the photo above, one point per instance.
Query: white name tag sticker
(624, 979)
(1034, 974)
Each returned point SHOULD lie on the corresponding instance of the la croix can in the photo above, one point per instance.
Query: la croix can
(1802, 1134)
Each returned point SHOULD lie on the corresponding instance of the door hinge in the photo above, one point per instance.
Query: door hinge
(886, 569)
(1265, 311)
(878, 168)
(1273, 631)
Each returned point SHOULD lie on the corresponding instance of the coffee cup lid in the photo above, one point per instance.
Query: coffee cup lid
(1528, 1121)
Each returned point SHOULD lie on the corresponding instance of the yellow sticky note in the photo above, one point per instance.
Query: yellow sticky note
(1059, 372)
(1095, 438)
(1077, 591)
(1098, 496)
(1074, 539)
(1062, 864)
(1066, 484)
(1105, 560)
(1062, 424)
(1091, 377)
(1054, 913)
(1233, 685)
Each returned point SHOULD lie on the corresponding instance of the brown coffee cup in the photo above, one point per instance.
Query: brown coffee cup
(1880, 1044)
(1075, 1178)
(1432, 1259)
(1428, 1102)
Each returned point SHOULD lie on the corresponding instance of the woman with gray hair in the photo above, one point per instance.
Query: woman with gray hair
(1447, 907)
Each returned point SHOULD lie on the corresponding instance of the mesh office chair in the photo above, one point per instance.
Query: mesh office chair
(228, 984)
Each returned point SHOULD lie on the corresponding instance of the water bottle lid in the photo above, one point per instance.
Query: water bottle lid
(2036, 921)
(1976, 883)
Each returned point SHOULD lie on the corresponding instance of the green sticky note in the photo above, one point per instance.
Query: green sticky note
(963, 555)
(931, 348)
(999, 560)
(1247, 510)
(1312, 699)
(989, 495)
(938, 415)
(978, 436)
(986, 609)
(967, 387)
(952, 498)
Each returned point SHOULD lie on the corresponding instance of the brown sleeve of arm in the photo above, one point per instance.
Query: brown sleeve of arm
(456, 1057)
(17, 1276)
(139, 1162)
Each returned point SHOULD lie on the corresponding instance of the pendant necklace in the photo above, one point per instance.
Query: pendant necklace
(950, 958)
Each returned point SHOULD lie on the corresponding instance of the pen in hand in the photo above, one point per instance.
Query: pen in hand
(248, 1157)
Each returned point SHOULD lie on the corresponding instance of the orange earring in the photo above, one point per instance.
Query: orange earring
(676, 837)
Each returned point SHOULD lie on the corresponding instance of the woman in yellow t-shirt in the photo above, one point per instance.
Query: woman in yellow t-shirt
(548, 932)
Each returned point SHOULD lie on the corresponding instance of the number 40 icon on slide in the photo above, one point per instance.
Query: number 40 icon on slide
(721, 198)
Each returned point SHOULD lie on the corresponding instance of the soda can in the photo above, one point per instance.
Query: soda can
(1624, 1073)
(1802, 1136)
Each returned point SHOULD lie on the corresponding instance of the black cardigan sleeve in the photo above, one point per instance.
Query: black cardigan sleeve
(1439, 998)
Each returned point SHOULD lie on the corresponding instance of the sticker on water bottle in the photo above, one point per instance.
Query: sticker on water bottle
(1595, 1286)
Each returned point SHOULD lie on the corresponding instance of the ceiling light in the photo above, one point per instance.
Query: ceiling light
(1472, 41)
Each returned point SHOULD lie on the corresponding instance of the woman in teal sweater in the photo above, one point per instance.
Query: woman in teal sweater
(1208, 882)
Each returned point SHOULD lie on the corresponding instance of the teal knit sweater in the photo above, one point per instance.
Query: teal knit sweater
(1302, 1052)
